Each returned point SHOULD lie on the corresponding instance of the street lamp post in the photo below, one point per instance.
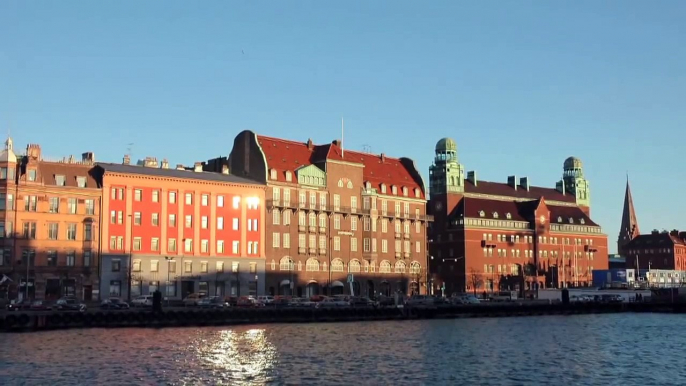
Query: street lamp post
(129, 268)
(169, 260)
(453, 259)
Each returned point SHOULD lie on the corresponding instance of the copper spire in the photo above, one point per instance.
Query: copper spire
(629, 228)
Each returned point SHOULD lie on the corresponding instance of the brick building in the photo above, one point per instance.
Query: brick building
(50, 225)
(490, 236)
(661, 250)
(334, 212)
(183, 230)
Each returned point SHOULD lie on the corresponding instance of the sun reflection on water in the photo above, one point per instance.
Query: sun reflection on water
(237, 357)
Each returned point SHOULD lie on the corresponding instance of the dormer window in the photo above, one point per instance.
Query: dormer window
(582, 221)
(405, 191)
(508, 216)
(81, 182)
(367, 185)
(394, 190)
(559, 219)
(482, 213)
(383, 188)
(571, 220)
(350, 185)
(495, 214)
(416, 192)
(272, 174)
(289, 176)
(340, 183)
(32, 175)
(60, 180)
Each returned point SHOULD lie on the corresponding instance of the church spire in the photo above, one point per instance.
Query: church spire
(629, 228)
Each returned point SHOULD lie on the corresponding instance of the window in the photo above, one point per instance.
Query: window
(153, 287)
(60, 180)
(253, 268)
(235, 247)
(137, 195)
(353, 223)
(189, 198)
(219, 267)
(172, 220)
(137, 218)
(154, 266)
(205, 200)
(234, 267)
(235, 223)
(87, 257)
(53, 231)
(336, 221)
(189, 221)
(172, 197)
(54, 205)
(87, 232)
(136, 243)
(276, 217)
(52, 258)
(289, 176)
(30, 203)
(154, 244)
(203, 222)
(203, 267)
(188, 245)
(171, 245)
(90, 206)
(276, 239)
(220, 246)
(115, 288)
(336, 243)
(29, 231)
(220, 222)
(116, 265)
(155, 196)
(367, 245)
(236, 202)
(32, 175)
(155, 219)
(286, 237)
(187, 266)
(353, 244)
(220, 201)
(252, 248)
(204, 246)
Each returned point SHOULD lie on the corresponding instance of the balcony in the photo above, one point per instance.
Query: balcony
(279, 204)
(424, 217)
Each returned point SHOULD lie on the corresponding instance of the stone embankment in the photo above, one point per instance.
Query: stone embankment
(38, 321)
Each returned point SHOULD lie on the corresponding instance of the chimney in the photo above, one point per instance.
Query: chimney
(524, 183)
(560, 187)
(165, 164)
(149, 162)
(655, 232)
(309, 144)
(33, 151)
(512, 182)
(180, 167)
(88, 157)
(674, 233)
(197, 167)
(127, 160)
(383, 157)
(336, 142)
(225, 169)
(471, 177)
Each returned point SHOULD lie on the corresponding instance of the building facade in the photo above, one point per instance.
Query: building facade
(490, 236)
(338, 221)
(50, 225)
(658, 250)
(180, 230)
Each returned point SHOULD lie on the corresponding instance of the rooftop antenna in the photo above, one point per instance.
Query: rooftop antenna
(342, 132)
(366, 149)
(128, 149)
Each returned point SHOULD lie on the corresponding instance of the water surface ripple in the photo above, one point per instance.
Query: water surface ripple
(621, 349)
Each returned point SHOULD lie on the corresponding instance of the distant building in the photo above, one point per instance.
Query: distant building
(657, 250)
(629, 228)
(490, 236)
(50, 225)
(616, 261)
(180, 230)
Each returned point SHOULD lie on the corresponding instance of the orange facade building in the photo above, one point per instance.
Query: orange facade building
(180, 230)
(337, 220)
(50, 225)
(490, 236)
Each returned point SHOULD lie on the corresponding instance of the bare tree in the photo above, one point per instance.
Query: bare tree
(475, 280)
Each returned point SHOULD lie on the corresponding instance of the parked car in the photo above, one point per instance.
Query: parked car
(114, 304)
(19, 306)
(142, 301)
(41, 305)
(334, 302)
(361, 302)
(385, 301)
(213, 302)
(69, 304)
(421, 301)
(248, 301)
(192, 299)
(266, 300)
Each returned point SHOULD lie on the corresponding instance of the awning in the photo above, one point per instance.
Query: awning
(285, 282)
(337, 284)
(312, 282)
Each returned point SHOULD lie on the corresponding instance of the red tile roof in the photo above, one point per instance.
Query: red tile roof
(522, 211)
(284, 155)
(503, 189)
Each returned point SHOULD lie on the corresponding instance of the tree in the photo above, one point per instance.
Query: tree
(475, 280)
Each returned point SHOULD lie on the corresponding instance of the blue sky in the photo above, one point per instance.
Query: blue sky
(519, 85)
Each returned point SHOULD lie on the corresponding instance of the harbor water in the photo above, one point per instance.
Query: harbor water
(617, 349)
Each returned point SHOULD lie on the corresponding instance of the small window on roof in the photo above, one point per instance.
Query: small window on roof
(495, 214)
(272, 174)
(405, 191)
(559, 218)
(416, 192)
(383, 188)
(508, 216)
(482, 213)
(394, 189)
(60, 180)
(582, 221)
(350, 185)
(289, 176)
(368, 185)
(571, 220)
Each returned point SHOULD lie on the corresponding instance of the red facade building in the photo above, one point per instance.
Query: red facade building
(180, 230)
(490, 236)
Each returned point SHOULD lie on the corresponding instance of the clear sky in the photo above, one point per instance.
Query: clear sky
(520, 85)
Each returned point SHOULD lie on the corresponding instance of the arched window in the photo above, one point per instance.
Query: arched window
(495, 214)
(340, 183)
(350, 185)
(337, 265)
(286, 264)
(354, 266)
(400, 266)
(508, 216)
(415, 268)
(312, 265)
(559, 218)
(582, 221)
(482, 213)
(385, 267)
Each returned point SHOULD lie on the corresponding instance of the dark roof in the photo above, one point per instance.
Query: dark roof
(48, 170)
(567, 212)
(502, 189)
(655, 240)
(174, 173)
(522, 211)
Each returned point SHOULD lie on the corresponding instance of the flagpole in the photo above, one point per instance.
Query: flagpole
(342, 133)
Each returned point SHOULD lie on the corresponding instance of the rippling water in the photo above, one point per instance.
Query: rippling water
(621, 349)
